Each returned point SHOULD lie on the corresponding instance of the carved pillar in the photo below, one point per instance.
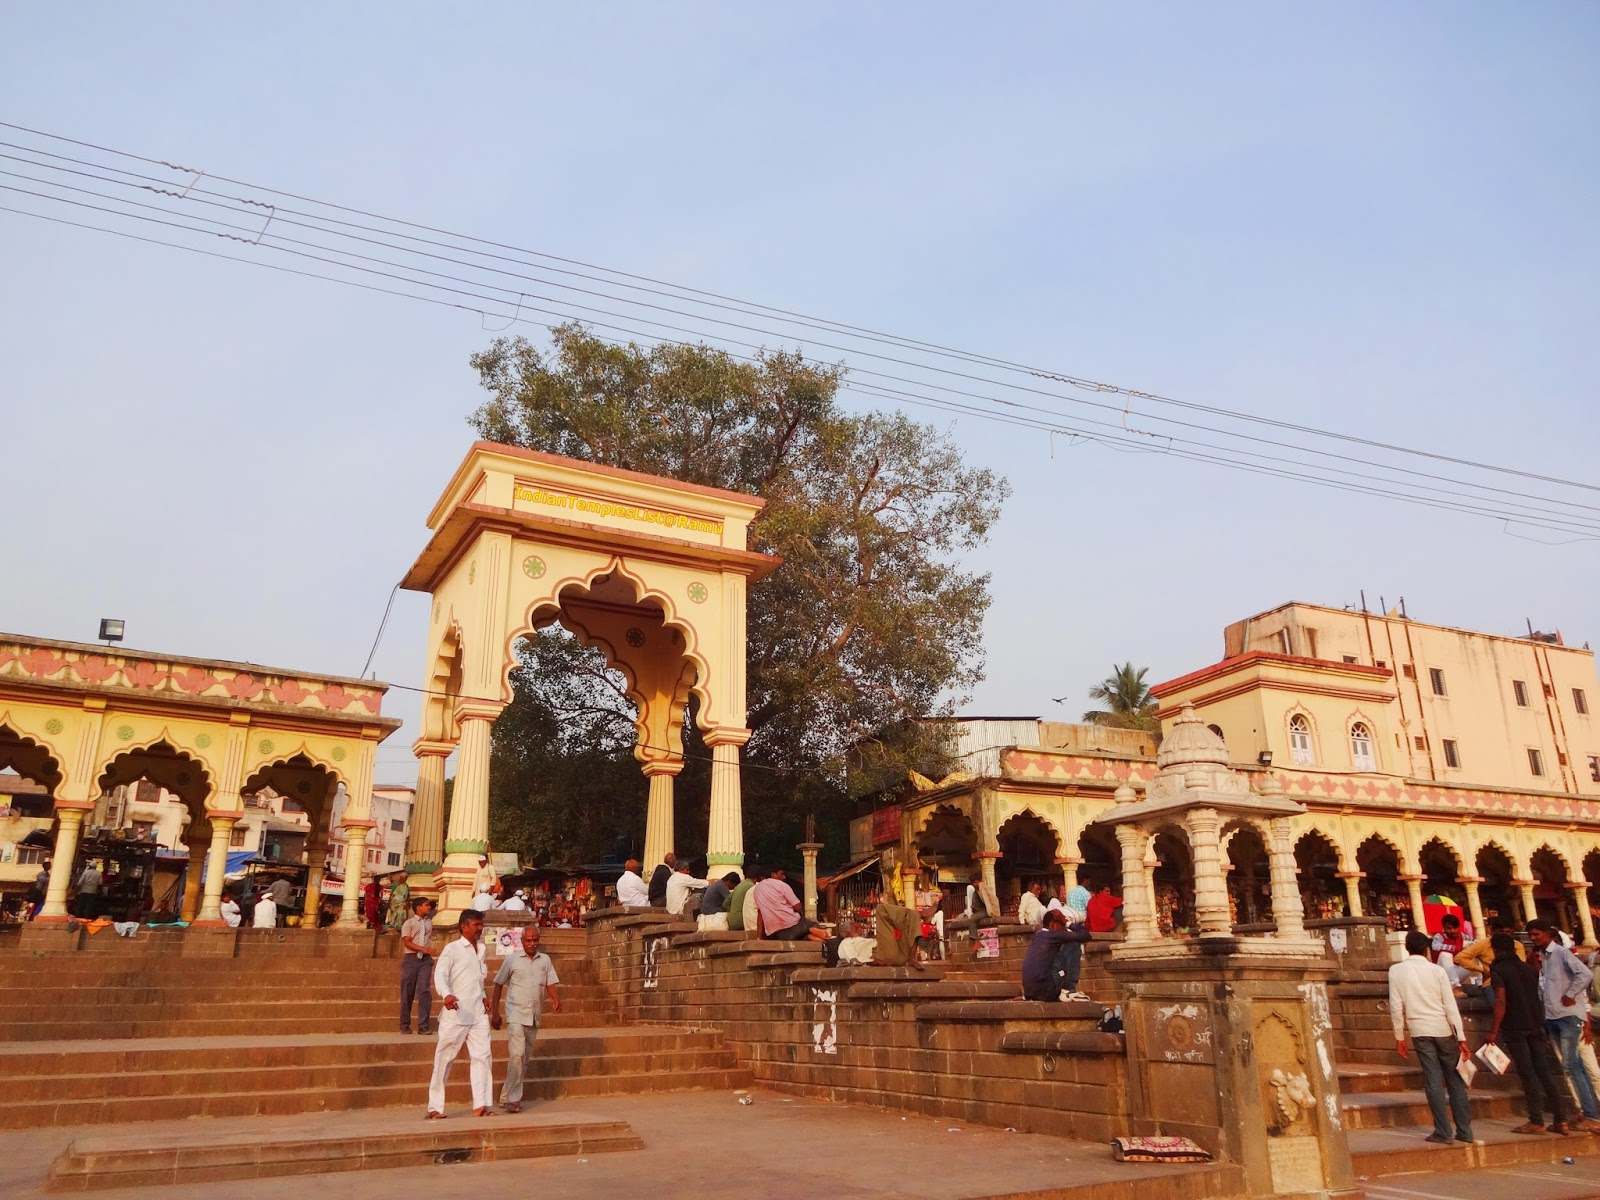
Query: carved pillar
(1069, 875)
(1530, 908)
(69, 826)
(1352, 892)
(1288, 909)
(425, 835)
(725, 830)
(1475, 905)
(1414, 891)
(1210, 888)
(1138, 917)
(316, 864)
(991, 894)
(808, 852)
(468, 835)
(1580, 900)
(197, 838)
(658, 822)
(222, 824)
(355, 831)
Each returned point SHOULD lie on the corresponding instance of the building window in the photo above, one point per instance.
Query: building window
(398, 825)
(1452, 755)
(1580, 701)
(1350, 658)
(236, 838)
(1594, 767)
(1300, 740)
(1421, 743)
(394, 860)
(1520, 691)
(1361, 748)
(1408, 670)
(1535, 761)
(1284, 646)
(1436, 678)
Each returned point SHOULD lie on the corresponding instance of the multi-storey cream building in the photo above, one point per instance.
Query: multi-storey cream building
(1431, 761)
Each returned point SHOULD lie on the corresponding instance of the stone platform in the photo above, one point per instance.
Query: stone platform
(235, 1150)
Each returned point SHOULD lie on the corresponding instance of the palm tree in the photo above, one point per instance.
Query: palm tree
(1129, 704)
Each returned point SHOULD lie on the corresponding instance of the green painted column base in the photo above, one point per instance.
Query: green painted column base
(725, 860)
(466, 846)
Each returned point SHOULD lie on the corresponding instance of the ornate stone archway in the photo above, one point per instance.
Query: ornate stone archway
(651, 571)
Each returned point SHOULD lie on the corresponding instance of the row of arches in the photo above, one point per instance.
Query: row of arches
(202, 831)
(1378, 878)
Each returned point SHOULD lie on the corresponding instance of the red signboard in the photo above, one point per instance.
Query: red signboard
(885, 826)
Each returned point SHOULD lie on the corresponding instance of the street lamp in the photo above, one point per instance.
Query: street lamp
(1265, 758)
(111, 629)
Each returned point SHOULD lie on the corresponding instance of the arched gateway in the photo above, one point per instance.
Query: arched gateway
(649, 570)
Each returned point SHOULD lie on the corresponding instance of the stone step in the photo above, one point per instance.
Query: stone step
(314, 1051)
(159, 1085)
(1376, 1153)
(1390, 1075)
(122, 1109)
(402, 1139)
(1381, 1110)
(324, 1020)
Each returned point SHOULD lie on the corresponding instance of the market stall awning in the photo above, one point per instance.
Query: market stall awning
(849, 871)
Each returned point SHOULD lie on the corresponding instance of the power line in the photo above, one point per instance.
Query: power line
(719, 300)
(1551, 523)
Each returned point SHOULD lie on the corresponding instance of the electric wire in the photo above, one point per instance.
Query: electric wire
(685, 293)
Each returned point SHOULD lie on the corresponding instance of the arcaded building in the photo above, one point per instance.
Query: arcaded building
(1432, 761)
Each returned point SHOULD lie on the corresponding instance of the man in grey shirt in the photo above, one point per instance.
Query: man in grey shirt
(523, 980)
(1564, 987)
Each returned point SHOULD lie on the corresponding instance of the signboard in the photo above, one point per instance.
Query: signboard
(988, 943)
(503, 940)
(886, 826)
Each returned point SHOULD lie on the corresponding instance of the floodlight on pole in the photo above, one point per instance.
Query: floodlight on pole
(111, 629)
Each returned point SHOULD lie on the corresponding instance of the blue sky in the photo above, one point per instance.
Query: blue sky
(1375, 218)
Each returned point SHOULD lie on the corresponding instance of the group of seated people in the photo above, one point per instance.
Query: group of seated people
(760, 901)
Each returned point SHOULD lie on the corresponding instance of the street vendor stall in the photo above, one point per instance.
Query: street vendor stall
(127, 867)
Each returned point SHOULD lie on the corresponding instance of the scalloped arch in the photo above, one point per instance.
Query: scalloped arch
(1561, 856)
(198, 757)
(1028, 811)
(42, 742)
(255, 758)
(1450, 848)
(925, 818)
(1317, 831)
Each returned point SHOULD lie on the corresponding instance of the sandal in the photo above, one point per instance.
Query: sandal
(1529, 1127)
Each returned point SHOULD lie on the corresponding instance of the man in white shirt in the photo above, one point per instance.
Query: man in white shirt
(631, 889)
(523, 979)
(1030, 909)
(231, 915)
(518, 902)
(1422, 1006)
(458, 977)
(680, 886)
(265, 915)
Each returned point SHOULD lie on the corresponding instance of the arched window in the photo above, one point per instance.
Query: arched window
(1361, 748)
(1300, 740)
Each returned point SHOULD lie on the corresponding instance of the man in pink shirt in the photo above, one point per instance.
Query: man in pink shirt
(779, 911)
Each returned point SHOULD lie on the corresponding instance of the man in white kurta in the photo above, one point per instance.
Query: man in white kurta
(458, 977)
(631, 889)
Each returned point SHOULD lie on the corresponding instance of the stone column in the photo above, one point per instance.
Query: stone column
(1414, 891)
(1069, 875)
(1530, 909)
(316, 864)
(725, 829)
(991, 893)
(425, 835)
(1580, 900)
(222, 824)
(1210, 889)
(808, 852)
(658, 820)
(1352, 892)
(355, 830)
(468, 835)
(69, 826)
(1288, 909)
(198, 840)
(1138, 918)
(1475, 905)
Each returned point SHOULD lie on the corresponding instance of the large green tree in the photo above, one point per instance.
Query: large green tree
(1128, 702)
(869, 622)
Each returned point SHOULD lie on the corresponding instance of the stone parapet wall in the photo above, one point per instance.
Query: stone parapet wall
(935, 1041)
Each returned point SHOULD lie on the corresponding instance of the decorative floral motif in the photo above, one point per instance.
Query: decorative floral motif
(143, 674)
(194, 681)
(92, 668)
(40, 663)
(698, 592)
(289, 692)
(334, 697)
(124, 733)
(202, 740)
(635, 637)
(53, 726)
(534, 567)
(264, 745)
(244, 686)
(338, 754)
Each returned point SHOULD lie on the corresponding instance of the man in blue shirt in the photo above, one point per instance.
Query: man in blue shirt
(1564, 987)
(1040, 978)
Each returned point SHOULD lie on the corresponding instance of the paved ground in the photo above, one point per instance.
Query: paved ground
(697, 1143)
(1533, 1182)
